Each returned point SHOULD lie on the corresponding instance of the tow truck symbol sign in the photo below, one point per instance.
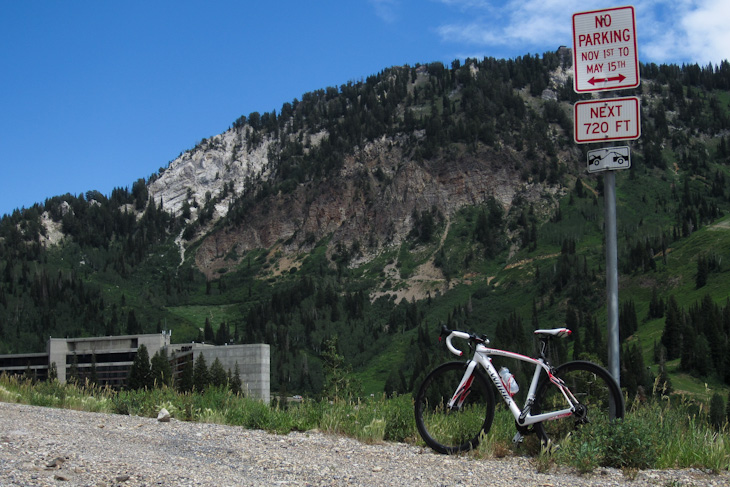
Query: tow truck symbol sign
(609, 158)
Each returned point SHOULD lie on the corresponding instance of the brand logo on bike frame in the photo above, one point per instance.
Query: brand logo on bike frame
(498, 382)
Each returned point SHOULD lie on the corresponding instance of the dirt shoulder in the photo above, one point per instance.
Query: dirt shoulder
(45, 446)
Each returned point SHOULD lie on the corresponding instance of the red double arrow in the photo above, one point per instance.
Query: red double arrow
(618, 78)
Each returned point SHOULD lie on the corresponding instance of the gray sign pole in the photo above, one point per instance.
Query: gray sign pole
(620, 56)
(609, 192)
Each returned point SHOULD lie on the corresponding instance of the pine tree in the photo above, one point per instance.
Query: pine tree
(339, 383)
(579, 190)
(702, 362)
(395, 383)
(201, 376)
(628, 323)
(717, 412)
(671, 336)
(218, 377)
(656, 305)
(222, 336)
(235, 381)
(635, 377)
(53, 372)
(133, 326)
(140, 375)
(577, 344)
(208, 333)
(185, 382)
(702, 271)
(161, 369)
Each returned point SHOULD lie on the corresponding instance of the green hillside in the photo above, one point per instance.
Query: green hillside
(485, 267)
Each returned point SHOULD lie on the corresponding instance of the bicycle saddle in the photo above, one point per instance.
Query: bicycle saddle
(555, 332)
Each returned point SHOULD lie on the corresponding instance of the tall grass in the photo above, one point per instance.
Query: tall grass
(659, 434)
(656, 434)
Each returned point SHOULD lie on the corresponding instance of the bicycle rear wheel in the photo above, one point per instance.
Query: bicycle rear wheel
(599, 396)
(452, 430)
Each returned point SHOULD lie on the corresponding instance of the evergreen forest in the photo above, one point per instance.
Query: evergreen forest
(91, 264)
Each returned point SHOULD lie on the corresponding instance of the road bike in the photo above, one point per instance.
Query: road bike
(455, 404)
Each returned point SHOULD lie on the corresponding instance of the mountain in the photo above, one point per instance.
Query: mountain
(370, 190)
(370, 212)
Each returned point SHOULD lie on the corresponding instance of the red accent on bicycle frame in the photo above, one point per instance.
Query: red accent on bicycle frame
(464, 392)
(555, 380)
(560, 417)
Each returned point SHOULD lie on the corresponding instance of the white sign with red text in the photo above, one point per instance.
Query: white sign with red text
(606, 120)
(605, 56)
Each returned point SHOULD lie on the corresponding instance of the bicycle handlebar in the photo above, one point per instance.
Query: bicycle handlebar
(450, 334)
(457, 334)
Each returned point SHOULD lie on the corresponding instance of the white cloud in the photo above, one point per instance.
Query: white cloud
(673, 31)
(475, 33)
(707, 31)
(526, 23)
(385, 9)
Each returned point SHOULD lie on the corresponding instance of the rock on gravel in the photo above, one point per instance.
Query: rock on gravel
(54, 447)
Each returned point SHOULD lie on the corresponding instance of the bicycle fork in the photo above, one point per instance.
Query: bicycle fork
(464, 389)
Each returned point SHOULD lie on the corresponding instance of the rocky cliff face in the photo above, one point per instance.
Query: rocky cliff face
(220, 160)
(371, 201)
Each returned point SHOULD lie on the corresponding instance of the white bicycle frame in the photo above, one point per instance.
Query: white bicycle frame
(482, 357)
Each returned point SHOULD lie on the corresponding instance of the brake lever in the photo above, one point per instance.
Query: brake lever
(444, 332)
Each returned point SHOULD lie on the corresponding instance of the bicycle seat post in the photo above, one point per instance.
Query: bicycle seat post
(544, 341)
(546, 335)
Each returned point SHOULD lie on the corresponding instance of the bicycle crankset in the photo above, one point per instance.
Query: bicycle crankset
(581, 414)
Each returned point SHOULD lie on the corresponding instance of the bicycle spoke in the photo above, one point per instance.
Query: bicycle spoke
(600, 400)
(457, 428)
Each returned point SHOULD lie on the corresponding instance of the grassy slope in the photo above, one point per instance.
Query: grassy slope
(506, 284)
(641, 214)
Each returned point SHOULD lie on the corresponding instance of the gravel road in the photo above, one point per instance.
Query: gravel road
(54, 447)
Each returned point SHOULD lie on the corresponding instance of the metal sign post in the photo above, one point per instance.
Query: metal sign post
(614, 352)
(605, 58)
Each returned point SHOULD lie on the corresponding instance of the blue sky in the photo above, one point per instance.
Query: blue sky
(96, 94)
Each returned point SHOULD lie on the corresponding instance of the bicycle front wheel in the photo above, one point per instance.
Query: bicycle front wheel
(458, 428)
(600, 400)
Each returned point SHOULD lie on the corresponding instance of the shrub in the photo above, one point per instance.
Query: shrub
(585, 457)
(306, 416)
(400, 423)
(629, 443)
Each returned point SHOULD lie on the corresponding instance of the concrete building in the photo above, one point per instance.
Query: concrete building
(252, 361)
(111, 358)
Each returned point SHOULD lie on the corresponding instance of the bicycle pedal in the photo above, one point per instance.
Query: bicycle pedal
(518, 438)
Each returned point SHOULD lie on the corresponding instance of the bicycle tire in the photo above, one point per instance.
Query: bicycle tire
(599, 395)
(455, 430)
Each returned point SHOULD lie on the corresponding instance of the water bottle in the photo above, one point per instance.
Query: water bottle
(509, 382)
